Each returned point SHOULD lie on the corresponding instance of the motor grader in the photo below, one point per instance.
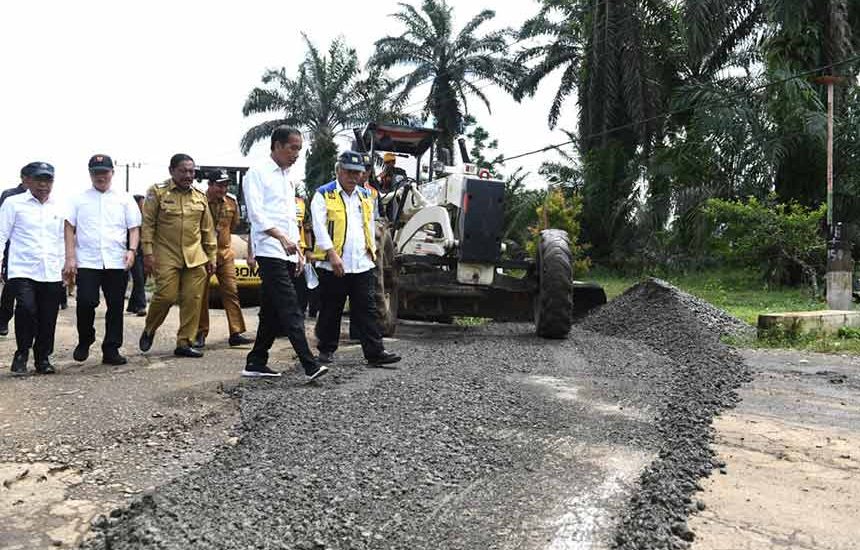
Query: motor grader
(440, 249)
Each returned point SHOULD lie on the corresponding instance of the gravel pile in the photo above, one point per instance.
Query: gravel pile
(483, 438)
(665, 307)
(688, 330)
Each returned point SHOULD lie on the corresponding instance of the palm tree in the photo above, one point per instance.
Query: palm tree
(451, 63)
(324, 99)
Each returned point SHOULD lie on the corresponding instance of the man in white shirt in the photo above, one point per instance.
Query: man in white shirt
(343, 218)
(270, 198)
(102, 232)
(32, 223)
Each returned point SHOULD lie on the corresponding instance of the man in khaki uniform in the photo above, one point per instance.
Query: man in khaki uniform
(225, 216)
(178, 240)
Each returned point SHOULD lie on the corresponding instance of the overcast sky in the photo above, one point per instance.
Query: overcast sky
(140, 81)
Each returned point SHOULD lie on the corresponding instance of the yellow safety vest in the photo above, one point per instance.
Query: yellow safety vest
(336, 220)
(300, 219)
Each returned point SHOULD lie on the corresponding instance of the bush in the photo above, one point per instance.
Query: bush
(783, 240)
(560, 212)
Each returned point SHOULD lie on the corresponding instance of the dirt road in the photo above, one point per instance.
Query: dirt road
(791, 450)
(86, 440)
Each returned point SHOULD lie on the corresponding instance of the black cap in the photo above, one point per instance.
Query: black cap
(350, 160)
(41, 169)
(100, 163)
(219, 176)
(27, 170)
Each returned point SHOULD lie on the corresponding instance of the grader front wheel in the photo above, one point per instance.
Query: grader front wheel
(553, 305)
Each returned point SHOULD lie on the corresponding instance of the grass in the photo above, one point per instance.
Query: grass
(743, 295)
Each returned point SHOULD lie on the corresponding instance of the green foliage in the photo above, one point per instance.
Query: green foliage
(451, 63)
(326, 97)
(558, 211)
(319, 163)
(482, 147)
(783, 239)
(851, 333)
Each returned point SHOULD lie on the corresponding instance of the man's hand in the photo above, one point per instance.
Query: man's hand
(70, 271)
(149, 264)
(336, 263)
(210, 268)
(300, 265)
(129, 259)
(289, 246)
(252, 262)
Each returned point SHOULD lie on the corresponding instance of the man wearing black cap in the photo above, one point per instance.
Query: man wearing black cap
(32, 224)
(102, 232)
(345, 250)
(224, 209)
(7, 300)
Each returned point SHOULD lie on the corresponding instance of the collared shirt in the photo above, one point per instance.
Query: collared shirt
(225, 216)
(177, 227)
(355, 257)
(271, 201)
(34, 231)
(101, 222)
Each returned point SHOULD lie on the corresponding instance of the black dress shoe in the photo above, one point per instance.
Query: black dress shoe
(82, 351)
(114, 359)
(325, 357)
(4, 329)
(239, 340)
(19, 363)
(45, 367)
(146, 341)
(385, 358)
(187, 351)
(199, 342)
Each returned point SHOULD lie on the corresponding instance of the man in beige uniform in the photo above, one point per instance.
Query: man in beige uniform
(225, 216)
(178, 240)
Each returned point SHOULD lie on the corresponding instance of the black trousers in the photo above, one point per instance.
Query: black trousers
(7, 304)
(112, 283)
(279, 313)
(36, 310)
(7, 298)
(137, 299)
(360, 288)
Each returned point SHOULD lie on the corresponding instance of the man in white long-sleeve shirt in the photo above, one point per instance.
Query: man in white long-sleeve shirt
(271, 202)
(32, 223)
(102, 234)
(343, 218)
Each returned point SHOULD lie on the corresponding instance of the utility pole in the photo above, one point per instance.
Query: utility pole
(128, 166)
(840, 266)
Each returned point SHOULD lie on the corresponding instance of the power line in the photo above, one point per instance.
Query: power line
(681, 111)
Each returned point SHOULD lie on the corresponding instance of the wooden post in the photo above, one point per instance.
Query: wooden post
(830, 156)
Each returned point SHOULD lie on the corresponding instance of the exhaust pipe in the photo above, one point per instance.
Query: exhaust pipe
(464, 154)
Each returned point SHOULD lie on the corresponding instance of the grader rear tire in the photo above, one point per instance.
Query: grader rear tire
(386, 281)
(553, 305)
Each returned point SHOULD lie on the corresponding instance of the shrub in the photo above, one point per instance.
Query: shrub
(558, 211)
(783, 240)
